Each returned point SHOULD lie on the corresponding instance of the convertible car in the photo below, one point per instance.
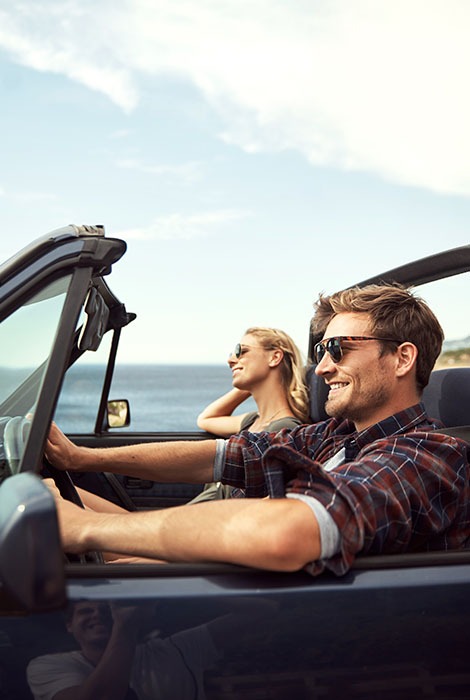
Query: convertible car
(394, 626)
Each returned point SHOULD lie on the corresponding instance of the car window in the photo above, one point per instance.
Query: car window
(26, 339)
(81, 391)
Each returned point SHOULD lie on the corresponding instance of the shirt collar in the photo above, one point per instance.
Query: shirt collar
(400, 422)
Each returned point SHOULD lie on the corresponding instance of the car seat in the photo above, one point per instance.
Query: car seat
(447, 398)
(317, 391)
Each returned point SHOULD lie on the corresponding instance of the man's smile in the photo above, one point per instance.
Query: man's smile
(335, 386)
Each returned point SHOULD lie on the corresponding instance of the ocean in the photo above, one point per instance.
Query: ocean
(162, 397)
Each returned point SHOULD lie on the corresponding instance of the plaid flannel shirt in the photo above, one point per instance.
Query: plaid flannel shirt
(403, 485)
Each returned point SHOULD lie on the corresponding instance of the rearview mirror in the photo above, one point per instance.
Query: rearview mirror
(96, 322)
(31, 559)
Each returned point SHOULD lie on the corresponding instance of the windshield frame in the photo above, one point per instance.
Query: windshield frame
(50, 373)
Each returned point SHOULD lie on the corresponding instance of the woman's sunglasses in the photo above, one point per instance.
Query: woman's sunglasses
(238, 350)
(333, 346)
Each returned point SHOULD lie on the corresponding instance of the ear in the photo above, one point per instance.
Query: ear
(275, 358)
(407, 354)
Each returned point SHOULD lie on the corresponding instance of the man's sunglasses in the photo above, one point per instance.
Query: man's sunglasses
(333, 346)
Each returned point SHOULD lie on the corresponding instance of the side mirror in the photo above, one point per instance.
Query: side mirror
(31, 559)
(119, 413)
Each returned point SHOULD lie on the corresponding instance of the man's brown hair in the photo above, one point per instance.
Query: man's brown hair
(395, 312)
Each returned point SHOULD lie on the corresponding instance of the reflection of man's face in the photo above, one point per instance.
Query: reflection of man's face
(91, 623)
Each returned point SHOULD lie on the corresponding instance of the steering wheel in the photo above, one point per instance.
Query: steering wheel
(15, 434)
(14, 438)
(68, 490)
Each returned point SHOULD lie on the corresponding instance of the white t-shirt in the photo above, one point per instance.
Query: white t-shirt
(163, 668)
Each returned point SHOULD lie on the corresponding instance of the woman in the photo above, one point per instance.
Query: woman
(266, 365)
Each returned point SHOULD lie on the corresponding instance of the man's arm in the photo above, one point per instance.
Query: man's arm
(185, 461)
(278, 534)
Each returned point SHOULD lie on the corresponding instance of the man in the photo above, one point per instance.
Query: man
(121, 655)
(374, 478)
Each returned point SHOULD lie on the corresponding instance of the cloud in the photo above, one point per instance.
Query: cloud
(26, 197)
(371, 87)
(184, 226)
(63, 38)
(188, 172)
(120, 134)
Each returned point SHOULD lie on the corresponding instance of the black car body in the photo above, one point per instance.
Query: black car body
(393, 627)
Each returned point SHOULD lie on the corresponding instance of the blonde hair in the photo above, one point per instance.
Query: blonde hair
(292, 367)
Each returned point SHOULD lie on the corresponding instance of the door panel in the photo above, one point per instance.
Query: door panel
(138, 492)
(262, 635)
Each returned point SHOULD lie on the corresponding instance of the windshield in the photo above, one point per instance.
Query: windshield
(26, 339)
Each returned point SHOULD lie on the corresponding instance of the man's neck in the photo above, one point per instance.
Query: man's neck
(386, 412)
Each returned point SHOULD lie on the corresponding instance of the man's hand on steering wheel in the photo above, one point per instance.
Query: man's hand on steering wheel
(60, 451)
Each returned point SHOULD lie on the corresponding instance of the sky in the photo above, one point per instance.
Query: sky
(251, 153)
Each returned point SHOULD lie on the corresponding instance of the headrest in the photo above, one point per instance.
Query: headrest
(447, 396)
(318, 391)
